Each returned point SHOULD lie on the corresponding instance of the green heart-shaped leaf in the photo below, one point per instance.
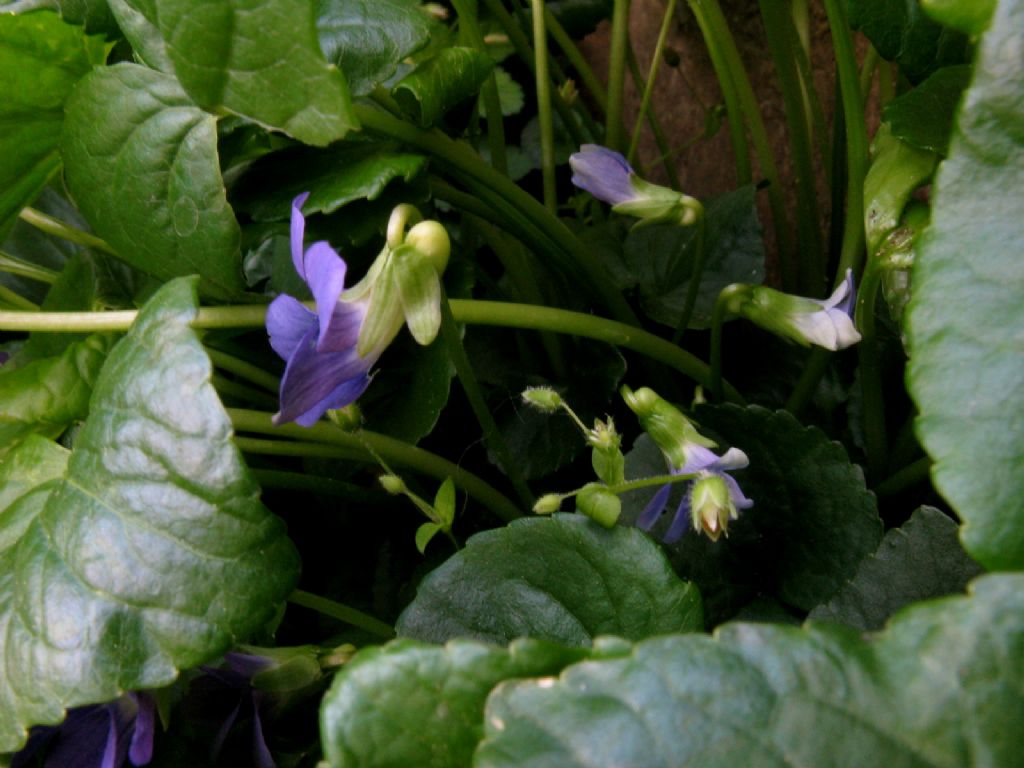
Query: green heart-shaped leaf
(564, 579)
(150, 552)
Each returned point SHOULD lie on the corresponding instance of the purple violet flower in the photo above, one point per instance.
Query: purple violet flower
(324, 371)
(97, 736)
(237, 673)
(707, 512)
(603, 173)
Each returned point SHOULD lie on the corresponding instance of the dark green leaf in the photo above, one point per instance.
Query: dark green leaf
(897, 169)
(971, 17)
(941, 687)
(442, 83)
(146, 177)
(41, 59)
(47, 395)
(966, 319)
(660, 257)
(919, 561)
(138, 21)
(94, 15)
(259, 59)
(542, 443)
(409, 390)
(564, 579)
(368, 39)
(334, 177)
(812, 522)
(901, 32)
(580, 17)
(412, 704)
(152, 553)
(923, 116)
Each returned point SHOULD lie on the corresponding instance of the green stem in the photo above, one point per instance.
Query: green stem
(247, 394)
(852, 253)
(722, 310)
(544, 118)
(579, 63)
(521, 44)
(492, 435)
(617, 75)
(468, 162)
(388, 448)
(57, 228)
(495, 313)
(636, 485)
(667, 155)
(875, 438)
(15, 266)
(244, 370)
(730, 94)
(700, 246)
(342, 612)
(466, 10)
(652, 76)
(16, 300)
(867, 71)
(908, 477)
(817, 364)
(806, 271)
(719, 29)
(293, 448)
(588, 326)
(325, 486)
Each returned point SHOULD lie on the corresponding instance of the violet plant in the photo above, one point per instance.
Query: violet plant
(288, 289)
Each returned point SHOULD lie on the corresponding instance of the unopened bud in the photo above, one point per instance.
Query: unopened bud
(542, 398)
(668, 427)
(431, 239)
(711, 506)
(547, 504)
(393, 484)
(598, 503)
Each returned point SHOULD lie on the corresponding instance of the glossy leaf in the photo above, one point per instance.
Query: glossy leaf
(660, 257)
(812, 522)
(923, 117)
(333, 177)
(259, 59)
(901, 32)
(23, 472)
(921, 560)
(966, 318)
(152, 553)
(93, 15)
(138, 21)
(41, 59)
(442, 83)
(409, 703)
(564, 579)
(47, 395)
(941, 687)
(368, 39)
(146, 177)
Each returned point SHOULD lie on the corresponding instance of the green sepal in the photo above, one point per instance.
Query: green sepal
(669, 429)
(383, 317)
(609, 465)
(419, 290)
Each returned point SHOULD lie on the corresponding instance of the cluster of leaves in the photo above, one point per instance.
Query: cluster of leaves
(149, 153)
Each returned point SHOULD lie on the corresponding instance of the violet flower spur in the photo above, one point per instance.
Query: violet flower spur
(607, 175)
(826, 323)
(97, 736)
(324, 370)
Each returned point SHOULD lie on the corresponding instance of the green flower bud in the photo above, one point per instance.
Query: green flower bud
(711, 505)
(542, 398)
(598, 503)
(349, 418)
(547, 504)
(393, 484)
